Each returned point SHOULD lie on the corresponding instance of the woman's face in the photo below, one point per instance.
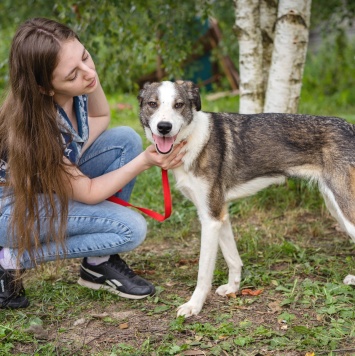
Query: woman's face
(75, 73)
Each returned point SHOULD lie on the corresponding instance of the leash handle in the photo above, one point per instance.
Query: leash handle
(151, 213)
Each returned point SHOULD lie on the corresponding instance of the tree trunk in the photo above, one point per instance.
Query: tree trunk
(289, 56)
(268, 16)
(273, 38)
(248, 31)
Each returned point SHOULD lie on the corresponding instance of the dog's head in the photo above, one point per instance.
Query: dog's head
(166, 110)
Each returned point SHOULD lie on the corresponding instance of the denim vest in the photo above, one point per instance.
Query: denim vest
(74, 141)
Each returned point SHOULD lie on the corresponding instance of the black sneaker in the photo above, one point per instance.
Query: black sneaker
(115, 276)
(12, 293)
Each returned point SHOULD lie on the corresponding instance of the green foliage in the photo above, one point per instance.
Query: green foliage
(332, 16)
(328, 82)
(126, 37)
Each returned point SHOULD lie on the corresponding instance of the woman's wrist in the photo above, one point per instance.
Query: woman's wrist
(144, 160)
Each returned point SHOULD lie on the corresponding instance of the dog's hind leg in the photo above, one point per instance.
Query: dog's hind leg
(231, 255)
(337, 212)
(345, 223)
(349, 280)
(210, 230)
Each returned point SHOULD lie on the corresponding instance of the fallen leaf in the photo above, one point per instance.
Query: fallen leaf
(123, 326)
(79, 322)
(252, 292)
(231, 295)
(309, 354)
(275, 307)
(190, 261)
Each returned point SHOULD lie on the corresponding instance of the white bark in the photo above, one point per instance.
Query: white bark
(268, 16)
(289, 55)
(247, 25)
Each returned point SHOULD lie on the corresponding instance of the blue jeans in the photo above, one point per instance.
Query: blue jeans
(93, 230)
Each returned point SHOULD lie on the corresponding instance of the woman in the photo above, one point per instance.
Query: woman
(59, 164)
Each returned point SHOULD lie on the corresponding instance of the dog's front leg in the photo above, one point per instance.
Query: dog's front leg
(208, 252)
(231, 255)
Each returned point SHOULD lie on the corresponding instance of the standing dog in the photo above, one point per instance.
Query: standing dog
(230, 156)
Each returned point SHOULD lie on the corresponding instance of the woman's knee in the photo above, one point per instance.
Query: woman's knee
(137, 231)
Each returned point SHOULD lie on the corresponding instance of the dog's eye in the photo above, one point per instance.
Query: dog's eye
(178, 105)
(152, 104)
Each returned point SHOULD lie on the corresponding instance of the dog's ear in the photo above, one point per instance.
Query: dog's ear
(142, 92)
(193, 93)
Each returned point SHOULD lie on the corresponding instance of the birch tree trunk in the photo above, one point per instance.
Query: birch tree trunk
(273, 39)
(247, 26)
(268, 16)
(289, 56)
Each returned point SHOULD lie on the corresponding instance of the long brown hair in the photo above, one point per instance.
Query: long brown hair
(30, 137)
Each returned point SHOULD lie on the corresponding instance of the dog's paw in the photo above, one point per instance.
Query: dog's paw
(349, 280)
(188, 309)
(226, 289)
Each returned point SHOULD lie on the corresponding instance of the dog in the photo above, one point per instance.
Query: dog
(231, 156)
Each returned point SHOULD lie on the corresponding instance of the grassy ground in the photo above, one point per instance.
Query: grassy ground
(294, 254)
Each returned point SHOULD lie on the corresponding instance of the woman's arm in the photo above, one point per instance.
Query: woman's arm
(95, 190)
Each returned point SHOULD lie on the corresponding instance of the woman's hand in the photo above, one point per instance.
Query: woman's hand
(95, 190)
(170, 161)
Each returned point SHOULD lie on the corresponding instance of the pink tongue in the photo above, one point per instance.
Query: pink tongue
(164, 144)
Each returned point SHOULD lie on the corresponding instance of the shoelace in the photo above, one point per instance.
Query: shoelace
(122, 266)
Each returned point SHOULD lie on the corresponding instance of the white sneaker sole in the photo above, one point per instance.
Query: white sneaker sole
(97, 286)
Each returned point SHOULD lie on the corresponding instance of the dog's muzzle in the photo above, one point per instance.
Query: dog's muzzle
(163, 143)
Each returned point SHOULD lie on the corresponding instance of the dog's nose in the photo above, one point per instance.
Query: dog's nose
(164, 127)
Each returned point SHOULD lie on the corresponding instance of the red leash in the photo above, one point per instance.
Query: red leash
(151, 213)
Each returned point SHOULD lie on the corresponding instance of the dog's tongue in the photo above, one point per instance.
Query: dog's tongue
(164, 144)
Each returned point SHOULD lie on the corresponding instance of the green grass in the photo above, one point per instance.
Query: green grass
(291, 248)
